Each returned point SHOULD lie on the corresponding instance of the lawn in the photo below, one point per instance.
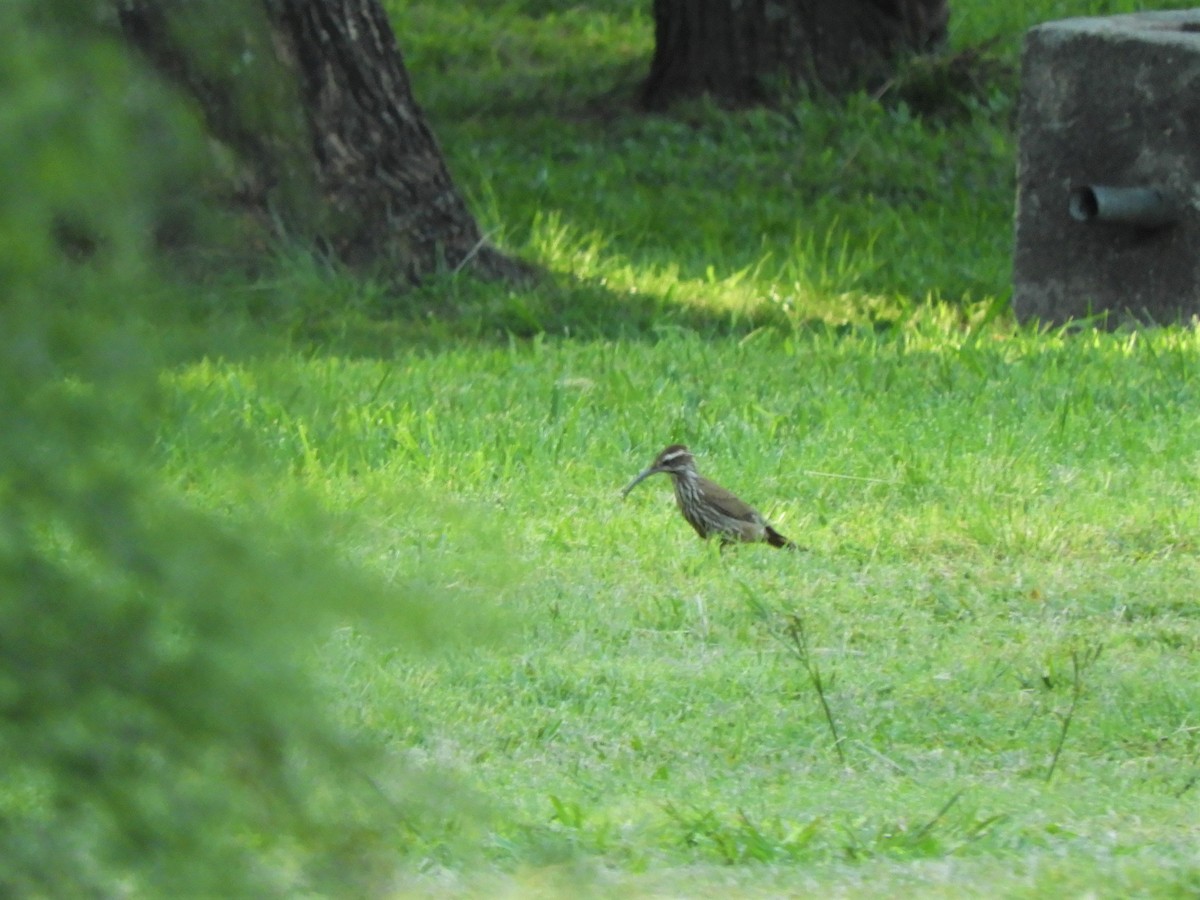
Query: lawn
(996, 596)
(981, 675)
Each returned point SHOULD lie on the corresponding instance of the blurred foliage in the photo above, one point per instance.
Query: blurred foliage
(159, 731)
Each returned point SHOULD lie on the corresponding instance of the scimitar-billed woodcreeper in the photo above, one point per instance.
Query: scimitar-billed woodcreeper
(707, 506)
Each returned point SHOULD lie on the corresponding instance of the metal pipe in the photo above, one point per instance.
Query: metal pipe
(1137, 207)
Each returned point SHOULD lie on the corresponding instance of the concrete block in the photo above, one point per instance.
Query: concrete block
(1110, 102)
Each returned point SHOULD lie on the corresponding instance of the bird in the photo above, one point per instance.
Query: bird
(708, 507)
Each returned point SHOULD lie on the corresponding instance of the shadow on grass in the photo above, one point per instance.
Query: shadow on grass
(363, 317)
(537, 111)
(303, 306)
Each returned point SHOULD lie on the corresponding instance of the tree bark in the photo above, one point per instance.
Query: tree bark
(314, 101)
(735, 50)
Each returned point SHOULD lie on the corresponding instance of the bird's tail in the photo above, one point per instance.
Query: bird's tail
(775, 539)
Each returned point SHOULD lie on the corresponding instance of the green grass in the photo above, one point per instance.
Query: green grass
(998, 591)
(1033, 500)
(1001, 522)
(534, 108)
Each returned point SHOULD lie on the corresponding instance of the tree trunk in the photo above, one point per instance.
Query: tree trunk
(313, 98)
(735, 50)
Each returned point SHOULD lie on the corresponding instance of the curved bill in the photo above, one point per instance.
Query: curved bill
(642, 476)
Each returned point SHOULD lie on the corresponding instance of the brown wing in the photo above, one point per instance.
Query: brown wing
(729, 504)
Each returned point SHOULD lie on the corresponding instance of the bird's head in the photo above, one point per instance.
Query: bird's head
(675, 460)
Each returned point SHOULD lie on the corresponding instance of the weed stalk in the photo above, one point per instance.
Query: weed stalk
(1080, 662)
(795, 631)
